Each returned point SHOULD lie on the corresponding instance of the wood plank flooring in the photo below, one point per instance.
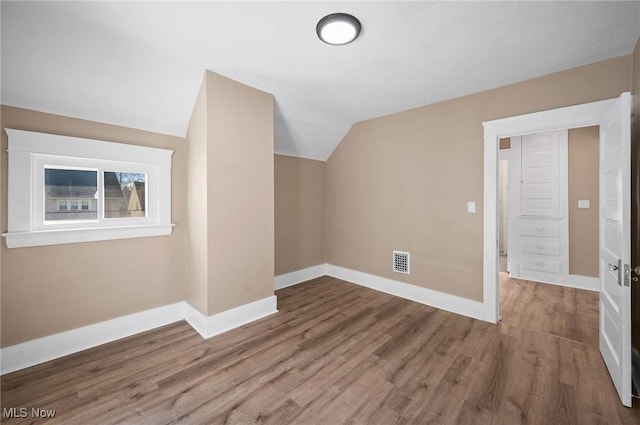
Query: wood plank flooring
(557, 310)
(338, 353)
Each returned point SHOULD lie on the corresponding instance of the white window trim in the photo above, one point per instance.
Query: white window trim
(29, 152)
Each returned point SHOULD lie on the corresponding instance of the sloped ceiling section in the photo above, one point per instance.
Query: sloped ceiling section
(140, 64)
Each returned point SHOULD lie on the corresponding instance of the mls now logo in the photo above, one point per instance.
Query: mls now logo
(14, 412)
(23, 412)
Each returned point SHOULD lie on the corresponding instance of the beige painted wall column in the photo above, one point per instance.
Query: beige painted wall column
(196, 240)
(583, 184)
(230, 240)
(299, 213)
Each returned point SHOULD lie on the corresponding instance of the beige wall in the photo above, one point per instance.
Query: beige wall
(230, 241)
(51, 289)
(299, 213)
(583, 184)
(231, 227)
(505, 143)
(396, 182)
(403, 181)
(241, 217)
(197, 288)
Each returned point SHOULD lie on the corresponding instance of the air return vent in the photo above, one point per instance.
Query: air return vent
(401, 262)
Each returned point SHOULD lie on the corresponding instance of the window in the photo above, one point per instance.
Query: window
(64, 189)
(124, 194)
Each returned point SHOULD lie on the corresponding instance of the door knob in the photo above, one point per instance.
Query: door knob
(636, 270)
(613, 267)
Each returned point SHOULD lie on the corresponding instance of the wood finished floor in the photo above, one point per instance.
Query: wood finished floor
(337, 353)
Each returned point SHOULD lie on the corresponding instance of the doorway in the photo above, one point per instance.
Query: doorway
(578, 116)
(613, 116)
(548, 204)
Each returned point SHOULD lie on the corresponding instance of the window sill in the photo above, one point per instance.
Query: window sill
(63, 236)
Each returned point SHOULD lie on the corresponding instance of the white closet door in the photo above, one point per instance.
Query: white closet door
(539, 212)
(540, 174)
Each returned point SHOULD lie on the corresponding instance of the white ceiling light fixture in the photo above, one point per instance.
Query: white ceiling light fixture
(338, 28)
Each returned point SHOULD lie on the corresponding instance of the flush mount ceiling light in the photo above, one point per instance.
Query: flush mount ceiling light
(338, 28)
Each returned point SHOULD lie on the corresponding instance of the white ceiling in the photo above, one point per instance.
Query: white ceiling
(141, 64)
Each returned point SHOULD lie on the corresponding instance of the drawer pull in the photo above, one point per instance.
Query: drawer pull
(540, 246)
(540, 264)
(539, 229)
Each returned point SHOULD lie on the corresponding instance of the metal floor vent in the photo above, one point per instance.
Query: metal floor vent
(401, 262)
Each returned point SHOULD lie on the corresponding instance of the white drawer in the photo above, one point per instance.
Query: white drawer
(540, 247)
(540, 265)
(540, 228)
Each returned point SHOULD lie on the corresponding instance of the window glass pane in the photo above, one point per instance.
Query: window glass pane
(124, 194)
(65, 190)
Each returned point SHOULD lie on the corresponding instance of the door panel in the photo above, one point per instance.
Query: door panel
(540, 175)
(539, 232)
(615, 245)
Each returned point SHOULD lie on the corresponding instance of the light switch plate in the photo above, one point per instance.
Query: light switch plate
(471, 207)
(584, 203)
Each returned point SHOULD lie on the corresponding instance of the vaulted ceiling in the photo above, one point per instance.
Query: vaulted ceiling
(140, 64)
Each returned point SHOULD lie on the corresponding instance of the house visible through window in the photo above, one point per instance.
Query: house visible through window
(72, 194)
(67, 192)
(124, 194)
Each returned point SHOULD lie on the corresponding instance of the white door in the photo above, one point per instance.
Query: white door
(543, 160)
(615, 244)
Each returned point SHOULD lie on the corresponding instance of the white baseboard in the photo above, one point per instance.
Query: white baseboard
(48, 348)
(567, 280)
(214, 325)
(299, 276)
(51, 347)
(441, 300)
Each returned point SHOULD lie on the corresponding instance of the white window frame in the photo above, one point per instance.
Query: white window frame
(30, 153)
